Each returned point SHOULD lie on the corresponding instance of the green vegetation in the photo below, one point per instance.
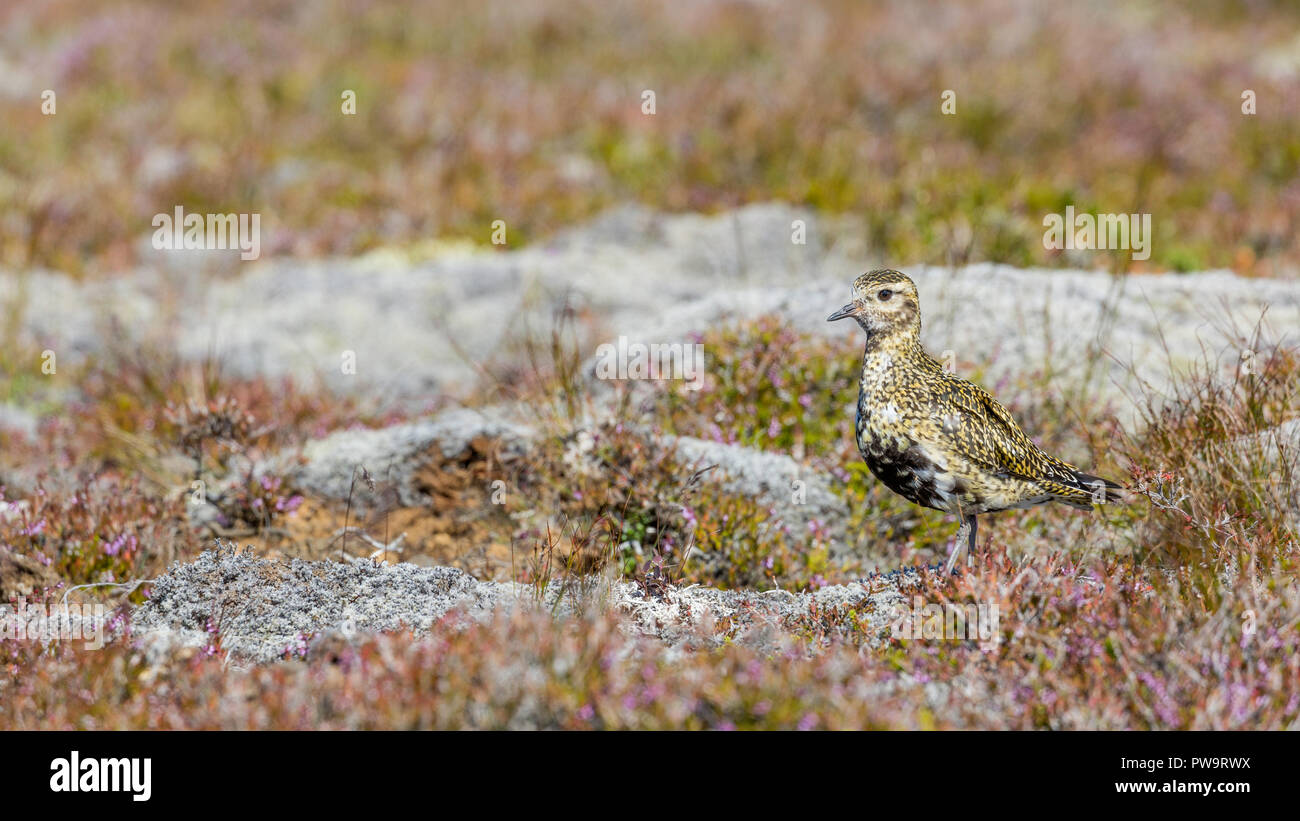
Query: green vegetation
(1176, 609)
(535, 117)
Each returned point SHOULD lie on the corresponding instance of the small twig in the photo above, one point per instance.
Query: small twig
(132, 584)
(365, 475)
(380, 547)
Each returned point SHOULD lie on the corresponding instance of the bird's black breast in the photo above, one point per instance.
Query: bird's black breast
(904, 470)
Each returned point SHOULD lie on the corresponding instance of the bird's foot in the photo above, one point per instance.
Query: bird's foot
(955, 550)
(963, 541)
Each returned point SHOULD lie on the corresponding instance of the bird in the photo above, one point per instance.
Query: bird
(938, 440)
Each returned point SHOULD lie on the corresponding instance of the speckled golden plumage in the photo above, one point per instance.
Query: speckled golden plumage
(936, 439)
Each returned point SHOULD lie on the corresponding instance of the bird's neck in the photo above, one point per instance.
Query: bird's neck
(904, 343)
(887, 362)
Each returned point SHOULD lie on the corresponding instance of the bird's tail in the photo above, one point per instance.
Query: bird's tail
(1087, 490)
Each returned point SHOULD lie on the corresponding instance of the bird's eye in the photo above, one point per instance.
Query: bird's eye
(885, 295)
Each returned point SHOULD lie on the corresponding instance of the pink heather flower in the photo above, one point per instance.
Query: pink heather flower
(689, 516)
(288, 505)
(773, 428)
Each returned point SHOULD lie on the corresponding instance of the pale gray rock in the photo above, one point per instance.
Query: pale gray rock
(415, 329)
(798, 496)
(391, 455)
(261, 610)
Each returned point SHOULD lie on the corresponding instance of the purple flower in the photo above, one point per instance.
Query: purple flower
(113, 547)
(288, 505)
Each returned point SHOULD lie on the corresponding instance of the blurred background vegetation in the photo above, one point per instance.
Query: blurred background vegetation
(531, 112)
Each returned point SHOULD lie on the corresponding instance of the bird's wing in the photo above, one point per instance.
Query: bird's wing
(997, 443)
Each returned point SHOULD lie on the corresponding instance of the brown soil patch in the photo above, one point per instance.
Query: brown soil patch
(460, 526)
(21, 576)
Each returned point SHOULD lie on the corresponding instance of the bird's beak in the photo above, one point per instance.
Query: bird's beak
(848, 310)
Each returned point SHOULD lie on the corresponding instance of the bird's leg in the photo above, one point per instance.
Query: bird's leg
(958, 543)
(970, 547)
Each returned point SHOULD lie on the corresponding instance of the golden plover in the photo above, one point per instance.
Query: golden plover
(938, 440)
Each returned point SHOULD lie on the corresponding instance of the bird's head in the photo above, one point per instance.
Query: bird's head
(885, 304)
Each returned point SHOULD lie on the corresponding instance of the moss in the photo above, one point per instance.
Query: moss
(771, 388)
(741, 545)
